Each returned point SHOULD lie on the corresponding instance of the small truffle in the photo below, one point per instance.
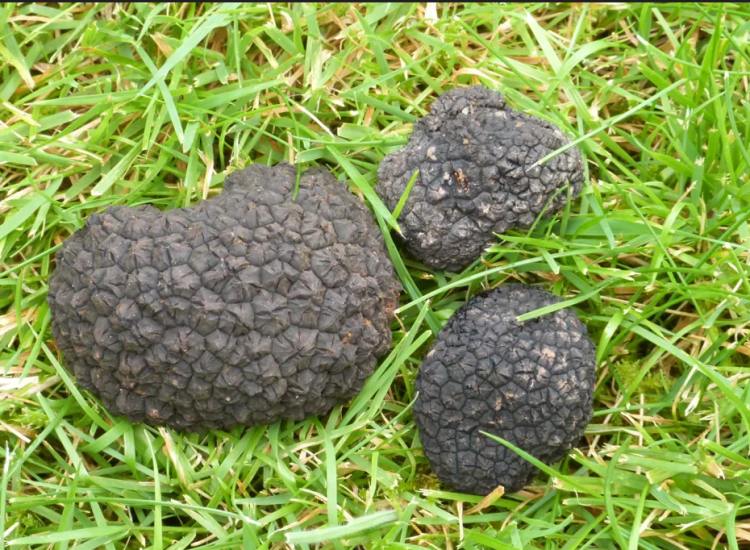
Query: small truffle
(530, 383)
(246, 308)
(475, 157)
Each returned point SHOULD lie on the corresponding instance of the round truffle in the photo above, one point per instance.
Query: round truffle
(477, 176)
(246, 308)
(528, 383)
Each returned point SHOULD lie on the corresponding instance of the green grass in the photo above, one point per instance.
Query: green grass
(131, 104)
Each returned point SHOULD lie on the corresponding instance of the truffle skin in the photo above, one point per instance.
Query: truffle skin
(475, 157)
(528, 383)
(246, 308)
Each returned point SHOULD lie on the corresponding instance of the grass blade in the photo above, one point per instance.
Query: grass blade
(342, 532)
(194, 38)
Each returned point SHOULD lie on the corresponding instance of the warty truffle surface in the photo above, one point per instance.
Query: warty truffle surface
(530, 383)
(475, 157)
(245, 308)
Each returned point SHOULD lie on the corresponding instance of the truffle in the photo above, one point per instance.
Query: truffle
(477, 176)
(249, 307)
(530, 383)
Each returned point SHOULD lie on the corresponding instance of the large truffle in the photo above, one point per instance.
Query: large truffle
(246, 308)
(475, 157)
(529, 383)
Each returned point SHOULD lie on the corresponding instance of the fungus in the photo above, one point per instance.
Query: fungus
(530, 383)
(246, 308)
(478, 176)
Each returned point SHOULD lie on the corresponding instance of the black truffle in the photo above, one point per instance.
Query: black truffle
(475, 157)
(246, 308)
(529, 383)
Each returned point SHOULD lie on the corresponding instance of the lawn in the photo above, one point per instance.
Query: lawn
(156, 103)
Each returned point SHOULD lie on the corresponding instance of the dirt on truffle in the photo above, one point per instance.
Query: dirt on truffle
(528, 383)
(475, 157)
(246, 308)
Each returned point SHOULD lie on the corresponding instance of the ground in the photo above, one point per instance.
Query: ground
(156, 103)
